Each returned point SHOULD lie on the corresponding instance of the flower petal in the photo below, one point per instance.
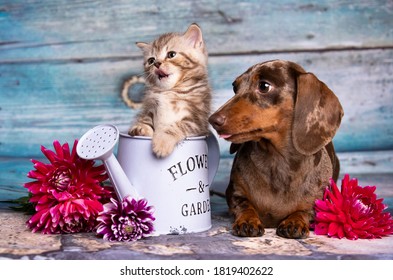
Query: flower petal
(333, 229)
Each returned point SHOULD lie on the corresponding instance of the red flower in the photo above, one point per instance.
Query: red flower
(354, 213)
(67, 192)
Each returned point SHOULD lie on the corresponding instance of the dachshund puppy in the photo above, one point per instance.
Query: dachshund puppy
(280, 123)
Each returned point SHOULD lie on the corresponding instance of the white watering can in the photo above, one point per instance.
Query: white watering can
(177, 186)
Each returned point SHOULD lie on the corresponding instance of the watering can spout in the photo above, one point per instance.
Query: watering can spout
(119, 179)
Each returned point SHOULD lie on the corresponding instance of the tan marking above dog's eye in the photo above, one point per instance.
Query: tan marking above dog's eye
(264, 87)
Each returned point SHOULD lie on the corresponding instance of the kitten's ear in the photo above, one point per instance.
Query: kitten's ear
(143, 46)
(194, 36)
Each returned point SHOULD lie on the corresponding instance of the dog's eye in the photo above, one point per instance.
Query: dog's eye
(171, 54)
(234, 87)
(264, 87)
(151, 61)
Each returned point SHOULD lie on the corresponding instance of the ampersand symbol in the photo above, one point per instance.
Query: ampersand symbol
(201, 187)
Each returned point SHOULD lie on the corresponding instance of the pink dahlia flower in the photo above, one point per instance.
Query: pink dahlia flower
(354, 213)
(67, 192)
(127, 221)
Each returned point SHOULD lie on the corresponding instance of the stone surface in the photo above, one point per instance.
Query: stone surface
(16, 240)
(217, 243)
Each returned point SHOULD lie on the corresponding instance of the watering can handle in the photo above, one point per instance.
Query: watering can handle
(213, 156)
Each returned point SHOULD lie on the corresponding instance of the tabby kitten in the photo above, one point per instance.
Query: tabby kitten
(177, 98)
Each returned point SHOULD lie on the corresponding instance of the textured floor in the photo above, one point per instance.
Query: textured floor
(17, 242)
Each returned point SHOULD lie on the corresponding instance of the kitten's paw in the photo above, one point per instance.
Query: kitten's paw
(141, 130)
(163, 144)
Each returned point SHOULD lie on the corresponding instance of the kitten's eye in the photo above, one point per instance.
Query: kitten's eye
(171, 54)
(151, 61)
(264, 87)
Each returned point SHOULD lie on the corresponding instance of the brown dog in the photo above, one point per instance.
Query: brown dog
(281, 122)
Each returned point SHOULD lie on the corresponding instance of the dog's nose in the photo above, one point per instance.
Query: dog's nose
(217, 120)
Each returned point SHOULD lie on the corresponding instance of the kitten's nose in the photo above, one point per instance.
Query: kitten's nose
(157, 64)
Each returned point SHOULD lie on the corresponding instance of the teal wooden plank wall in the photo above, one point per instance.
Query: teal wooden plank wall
(62, 63)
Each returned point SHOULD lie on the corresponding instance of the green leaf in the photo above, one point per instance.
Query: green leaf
(23, 204)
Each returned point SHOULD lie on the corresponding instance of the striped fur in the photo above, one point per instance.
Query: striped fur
(178, 95)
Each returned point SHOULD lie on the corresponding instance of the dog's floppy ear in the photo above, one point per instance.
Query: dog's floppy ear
(317, 115)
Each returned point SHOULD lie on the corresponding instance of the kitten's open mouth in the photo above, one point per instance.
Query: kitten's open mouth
(161, 74)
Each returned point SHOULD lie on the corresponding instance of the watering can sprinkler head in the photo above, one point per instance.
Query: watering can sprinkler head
(99, 143)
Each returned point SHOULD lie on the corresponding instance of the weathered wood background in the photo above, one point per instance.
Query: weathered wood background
(63, 63)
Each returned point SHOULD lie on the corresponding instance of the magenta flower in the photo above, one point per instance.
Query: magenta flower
(127, 221)
(354, 213)
(67, 192)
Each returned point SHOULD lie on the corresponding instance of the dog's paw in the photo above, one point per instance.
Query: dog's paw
(251, 228)
(141, 130)
(293, 228)
(163, 144)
